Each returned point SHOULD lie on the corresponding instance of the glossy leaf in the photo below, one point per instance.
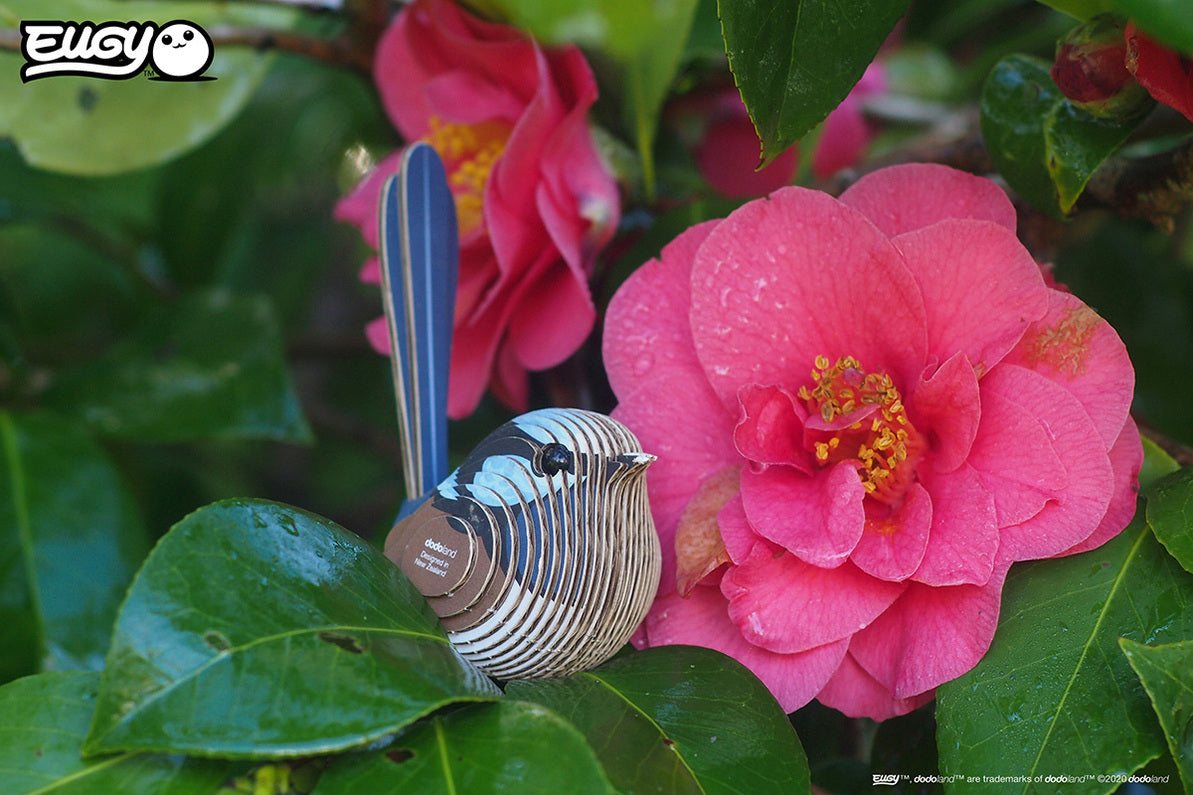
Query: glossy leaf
(679, 719)
(93, 126)
(1168, 20)
(504, 747)
(254, 629)
(1170, 513)
(1054, 694)
(1045, 148)
(795, 61)
(1156, 464)
(1167, 674)
(42, 722)
(70, 540)
(207, 366)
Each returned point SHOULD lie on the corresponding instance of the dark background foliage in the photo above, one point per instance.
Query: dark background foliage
(181, 323)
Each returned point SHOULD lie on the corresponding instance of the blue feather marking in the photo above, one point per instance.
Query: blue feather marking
(419, 265)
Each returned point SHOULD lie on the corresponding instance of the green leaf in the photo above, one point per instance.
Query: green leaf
(1045, 148)
(795, 61)
(42, 722)
(705, 39)
(679, 719)
(1168, 20)
(122, 200)
(1167, 674)
(1054, 695)
(1080, 9)
(258, 630)
(504, 747)
(1170, 514)
(1156, 464)
(93, 126)
(209, 365)
(70, 540)
(636, 48)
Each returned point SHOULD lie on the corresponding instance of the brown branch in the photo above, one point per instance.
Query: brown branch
(343, 50)
(1155, 188)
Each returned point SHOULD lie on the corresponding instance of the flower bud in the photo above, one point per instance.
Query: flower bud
(1091, 70)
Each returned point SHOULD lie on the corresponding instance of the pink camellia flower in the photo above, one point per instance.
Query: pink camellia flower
(865, 410)
(1167, 75)
(533, 199)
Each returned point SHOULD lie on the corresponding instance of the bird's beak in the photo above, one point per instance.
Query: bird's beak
(636, 462)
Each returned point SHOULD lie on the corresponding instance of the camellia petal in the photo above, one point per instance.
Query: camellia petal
(550, 318)
(893, 541)
(700, 620)
(930, 635)
(647, 334)
(812, 306)
(983, 324)
(963, 541)
(819, 519)
(948, 401)
(771, 427)
(783, 604)
(857, 694)
(1126, 458)
(739, 538)
(699, 546)
(1014, 457)
(902, 198)
(1166, 74)
(377, 333)
(1074, 514)
(1076, 348)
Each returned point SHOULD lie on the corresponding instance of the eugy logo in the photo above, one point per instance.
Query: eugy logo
(178, 50)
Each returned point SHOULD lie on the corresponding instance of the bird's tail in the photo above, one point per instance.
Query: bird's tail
(419, 265)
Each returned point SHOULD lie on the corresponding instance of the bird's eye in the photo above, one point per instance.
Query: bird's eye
(553, 458)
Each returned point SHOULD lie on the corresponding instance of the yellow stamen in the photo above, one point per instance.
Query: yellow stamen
(882, 440)
(469, 152)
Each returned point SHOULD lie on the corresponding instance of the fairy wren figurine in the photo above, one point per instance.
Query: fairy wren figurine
(538, 553)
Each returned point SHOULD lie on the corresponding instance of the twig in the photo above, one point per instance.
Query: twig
(341, 50)
(1156, 188)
